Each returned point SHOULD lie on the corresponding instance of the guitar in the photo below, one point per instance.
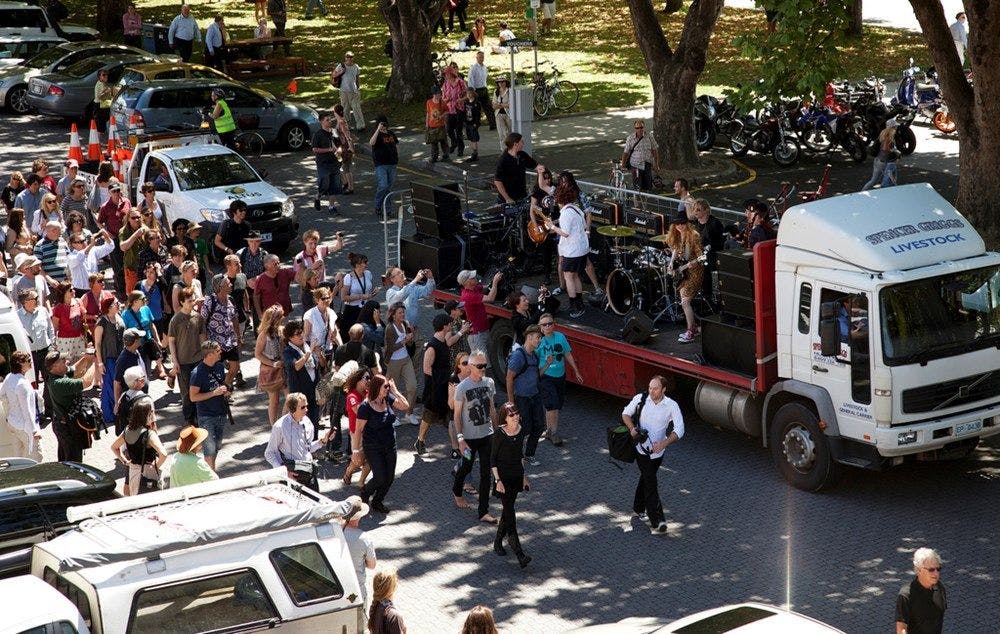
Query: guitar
(680, 273)
(536, 230)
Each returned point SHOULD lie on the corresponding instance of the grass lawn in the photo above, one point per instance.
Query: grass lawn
(593, 46)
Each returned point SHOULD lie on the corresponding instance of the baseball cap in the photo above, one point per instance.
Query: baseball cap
(72, 163)
(132, 334)
(253, 234)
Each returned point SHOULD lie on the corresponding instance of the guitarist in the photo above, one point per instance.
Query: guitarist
(684, 243)
(543, 208)
(713, 239)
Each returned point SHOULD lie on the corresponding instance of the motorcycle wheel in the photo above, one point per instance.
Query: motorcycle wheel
(704, 134)
(944, 122)
(856, 148)
(819, 139)
(906, 141)
(787, 151)
(739, 144)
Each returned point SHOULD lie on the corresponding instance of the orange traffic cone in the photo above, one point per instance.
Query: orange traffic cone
(112, 133)
(94, 144)
(75, 151)
(293, 86)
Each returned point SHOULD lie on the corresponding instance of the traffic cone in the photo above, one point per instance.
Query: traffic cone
(112, 134)
(94, 144)
(75, 151)
(293, 86)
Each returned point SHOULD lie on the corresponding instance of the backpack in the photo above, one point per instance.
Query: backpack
(125, 404)
(85, 415)
(339, 78)
(527, 361)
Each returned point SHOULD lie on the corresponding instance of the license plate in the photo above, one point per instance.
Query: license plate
(265, 237)
(967, 428)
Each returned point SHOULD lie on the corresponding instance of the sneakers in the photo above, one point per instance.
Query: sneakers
(687, 336)
(420, 447)
(334, 211)
(556, 291)
(642, 517)
(473, 159)
(659, 529)
(577, 310)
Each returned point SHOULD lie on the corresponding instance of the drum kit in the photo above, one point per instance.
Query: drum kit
(640, 278)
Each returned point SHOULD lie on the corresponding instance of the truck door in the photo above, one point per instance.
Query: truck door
(846, 374)
(156, 171)
(805, 326)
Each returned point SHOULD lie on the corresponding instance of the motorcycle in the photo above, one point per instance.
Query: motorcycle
(823, 131)
(873, 114)
(768, 134)
(711, 117)
(925, 97)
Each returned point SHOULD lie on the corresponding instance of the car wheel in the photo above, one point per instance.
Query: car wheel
(294, 136)
(17, 99)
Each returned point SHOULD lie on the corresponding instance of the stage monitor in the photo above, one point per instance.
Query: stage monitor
(437, 209)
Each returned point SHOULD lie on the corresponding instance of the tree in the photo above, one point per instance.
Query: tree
(109, 16)
(411, 26)
(854, 27)
(976, 111)
(674, 73)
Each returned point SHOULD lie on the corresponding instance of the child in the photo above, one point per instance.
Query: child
(473, 115)
(437, 117)
(201, 253)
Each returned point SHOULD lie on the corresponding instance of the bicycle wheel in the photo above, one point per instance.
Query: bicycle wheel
(249, 144)
(541, 101)
(565, 94)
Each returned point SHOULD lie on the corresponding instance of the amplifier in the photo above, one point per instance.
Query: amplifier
(736, 263)
(481, 223)
(445, 258)
(604, 211)
(737, 305)
(646, 223)
(736, 284)
(729, 343)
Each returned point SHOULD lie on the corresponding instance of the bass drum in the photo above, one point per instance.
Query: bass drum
(639, 289)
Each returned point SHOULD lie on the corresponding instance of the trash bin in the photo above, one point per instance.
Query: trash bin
(154, 38)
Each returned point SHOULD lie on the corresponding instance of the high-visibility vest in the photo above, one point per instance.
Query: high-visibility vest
(225, 123)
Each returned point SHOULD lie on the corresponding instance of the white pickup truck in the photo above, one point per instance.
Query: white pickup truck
(243, 554)
(197, 179)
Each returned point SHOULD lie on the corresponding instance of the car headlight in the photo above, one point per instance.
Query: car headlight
(213, 215)
(288, 207)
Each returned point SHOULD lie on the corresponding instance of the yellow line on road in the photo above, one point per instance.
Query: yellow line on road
(749, 179)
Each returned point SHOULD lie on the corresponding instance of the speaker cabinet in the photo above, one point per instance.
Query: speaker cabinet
(437, 209)
(737, 306)
(445, 258)
(729, 343)
(638, 328)
(736, 263)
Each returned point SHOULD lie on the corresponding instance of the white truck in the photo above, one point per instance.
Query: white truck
(245, 553)
(22, 18)
(196, 179)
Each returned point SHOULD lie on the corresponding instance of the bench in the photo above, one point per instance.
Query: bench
(273, 67)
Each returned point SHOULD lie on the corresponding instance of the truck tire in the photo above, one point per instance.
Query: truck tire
(801, 450)
(501, 341)
(294, 136)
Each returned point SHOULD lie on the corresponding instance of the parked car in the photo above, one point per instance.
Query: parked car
(169, 70)
(33, 503)
(14, 80)
(176, 104)
(70, 93)
(21, 18)
(14, 49)
(743, 618)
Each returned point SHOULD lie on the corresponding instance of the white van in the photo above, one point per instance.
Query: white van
(12, 337)
(249, 552)
(40, 608)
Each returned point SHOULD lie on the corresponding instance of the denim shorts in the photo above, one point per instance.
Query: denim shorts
(215, 425)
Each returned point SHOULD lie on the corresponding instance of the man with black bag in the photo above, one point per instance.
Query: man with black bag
(65, 388)
(655, 422)
(291, 445)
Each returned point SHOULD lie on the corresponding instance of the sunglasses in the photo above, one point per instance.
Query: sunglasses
(479, 366)
(302, 407)
(135, 217)
(639, 127)
(547, 323)
(936, 569)
(465, 363)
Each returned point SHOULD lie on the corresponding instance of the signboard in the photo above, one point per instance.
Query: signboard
(535, 4)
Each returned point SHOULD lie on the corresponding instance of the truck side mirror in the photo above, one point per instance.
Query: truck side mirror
(829, 333)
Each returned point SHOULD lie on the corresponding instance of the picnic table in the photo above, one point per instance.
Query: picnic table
(238, 48)
(260, 67)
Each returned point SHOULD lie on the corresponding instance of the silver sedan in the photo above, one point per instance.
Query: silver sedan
(70, 93)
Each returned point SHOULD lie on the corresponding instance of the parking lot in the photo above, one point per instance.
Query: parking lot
(737, 532)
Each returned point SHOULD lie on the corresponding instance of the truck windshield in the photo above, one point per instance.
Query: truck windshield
(215, 170)
(941, 316)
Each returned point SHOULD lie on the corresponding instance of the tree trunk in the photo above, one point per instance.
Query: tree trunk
(411, 24)
(109, 16)
(854, 26)
(976, 112)
(674, 74)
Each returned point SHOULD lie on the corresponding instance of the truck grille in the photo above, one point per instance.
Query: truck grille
(951, 393)
(264, 212)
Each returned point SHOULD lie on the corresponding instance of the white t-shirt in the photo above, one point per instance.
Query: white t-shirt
(573, 222)
(361, 548)
(357, 286)
(349, 80)
(655, 418)
(319, 333)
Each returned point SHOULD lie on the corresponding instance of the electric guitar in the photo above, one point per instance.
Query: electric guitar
(680, 273)
(536, 230)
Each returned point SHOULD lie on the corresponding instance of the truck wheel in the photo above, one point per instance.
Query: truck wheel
(801, 450)
(501, 341)
(294, 136)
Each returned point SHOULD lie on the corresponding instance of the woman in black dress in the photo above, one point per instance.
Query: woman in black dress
(508, 471)
(437, 367)
(374, 437)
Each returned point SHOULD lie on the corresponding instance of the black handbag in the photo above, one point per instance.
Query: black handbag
(147, 484)
(621, 445)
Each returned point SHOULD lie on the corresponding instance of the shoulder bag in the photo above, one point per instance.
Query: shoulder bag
(149, 474)
(621, 445)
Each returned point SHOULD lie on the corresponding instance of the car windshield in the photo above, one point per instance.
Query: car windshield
(46, 58)
(941, 316)
(85, 67)
(215, 170)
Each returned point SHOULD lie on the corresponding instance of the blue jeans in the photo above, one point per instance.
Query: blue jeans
(889, 175)
(385, 176)
(215, 425)
(318, 4)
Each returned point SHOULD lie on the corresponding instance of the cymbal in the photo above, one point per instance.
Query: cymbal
(627, 248)
(660, 238)
(616, 231)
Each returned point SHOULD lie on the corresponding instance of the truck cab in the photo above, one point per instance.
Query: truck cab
(238, 554)
(888, 334)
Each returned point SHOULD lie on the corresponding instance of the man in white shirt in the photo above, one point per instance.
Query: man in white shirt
(215, 39)
(477, 80)
(960, 34)
(349, 74)
(291, 441)
(83, 257)
(359, 544)
(22, 408)
(661, 422)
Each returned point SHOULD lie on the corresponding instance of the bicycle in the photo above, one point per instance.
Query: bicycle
(553, 92)
(248, 144)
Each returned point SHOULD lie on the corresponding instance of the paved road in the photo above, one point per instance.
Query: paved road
(737, 531)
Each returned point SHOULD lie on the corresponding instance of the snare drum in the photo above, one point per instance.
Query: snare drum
(640, 289)
(652, 256)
